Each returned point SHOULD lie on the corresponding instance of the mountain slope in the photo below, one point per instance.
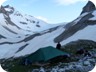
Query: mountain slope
(17, 31)
(20, 37)
(85, 23)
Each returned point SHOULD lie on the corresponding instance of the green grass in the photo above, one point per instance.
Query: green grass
(16, 66)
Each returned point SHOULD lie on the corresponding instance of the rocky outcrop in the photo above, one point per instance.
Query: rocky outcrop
(74, 27)
(7, 15)
(88, 7)
(81, 24)
(2, 10)
(6, 12)
(11, 9)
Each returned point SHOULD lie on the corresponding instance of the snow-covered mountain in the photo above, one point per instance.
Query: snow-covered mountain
(24, 34)
(16, 29)
(83, 27)
(21, 21)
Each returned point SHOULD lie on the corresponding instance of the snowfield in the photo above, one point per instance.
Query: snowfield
(15, 27)
(87, 33)
(22, 34)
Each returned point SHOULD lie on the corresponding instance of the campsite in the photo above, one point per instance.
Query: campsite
(46, 36)
(43, 57)
(50, 58)
(46, 54)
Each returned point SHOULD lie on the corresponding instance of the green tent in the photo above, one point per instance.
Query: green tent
(44, 54)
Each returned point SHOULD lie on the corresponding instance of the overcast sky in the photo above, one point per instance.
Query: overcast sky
(52, 11)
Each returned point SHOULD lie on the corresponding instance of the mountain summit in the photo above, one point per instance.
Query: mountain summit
(88, 7)
(86, 19)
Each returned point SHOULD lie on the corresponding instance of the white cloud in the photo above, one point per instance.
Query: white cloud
(68, 2)
(42, 18)
(2, 1)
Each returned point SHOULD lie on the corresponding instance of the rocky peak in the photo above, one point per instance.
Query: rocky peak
(2, 10)
(9, 9)
(7, 6)
(6, 10)
(88, 7)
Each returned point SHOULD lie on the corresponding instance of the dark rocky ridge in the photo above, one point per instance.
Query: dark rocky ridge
(2, 37)
(7, 16)
(71, 29)
(21, 48)
(9, 30)
(39, 34)
(2, 10)
(88, 7)
(11, 9)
